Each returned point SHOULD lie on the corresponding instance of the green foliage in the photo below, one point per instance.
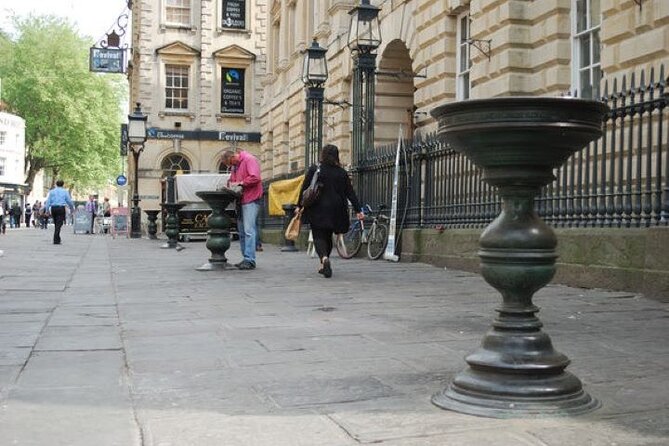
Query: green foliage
(72, 116)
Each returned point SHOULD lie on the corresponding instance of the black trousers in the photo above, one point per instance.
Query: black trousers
(322, 241)
(58, 214)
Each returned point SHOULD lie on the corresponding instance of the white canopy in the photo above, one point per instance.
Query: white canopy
(188, 184)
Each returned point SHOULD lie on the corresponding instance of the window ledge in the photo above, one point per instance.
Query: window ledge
(185, 113)
(175, 27)
(221, 116)
(221, 30)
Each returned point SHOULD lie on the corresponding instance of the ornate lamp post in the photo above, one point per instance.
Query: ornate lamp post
(136, 138)
(363, 38)
(314, 75)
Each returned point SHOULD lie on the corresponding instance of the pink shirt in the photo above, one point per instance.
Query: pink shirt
(247, 172)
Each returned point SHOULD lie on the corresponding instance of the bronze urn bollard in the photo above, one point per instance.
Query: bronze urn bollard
(172, 225)
(218, 235)
(152, 226)
(517, 142)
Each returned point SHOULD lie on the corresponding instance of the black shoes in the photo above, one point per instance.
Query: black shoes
(245, 265)
(327, 269)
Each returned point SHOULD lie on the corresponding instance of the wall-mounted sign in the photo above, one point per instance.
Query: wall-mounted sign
(234, 14)
(107, 60)
(204, 135)
(232, 90)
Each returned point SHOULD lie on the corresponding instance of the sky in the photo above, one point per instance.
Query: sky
(93, 18)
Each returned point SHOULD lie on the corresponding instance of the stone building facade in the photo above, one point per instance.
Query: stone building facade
(195, 68)
(437, 51)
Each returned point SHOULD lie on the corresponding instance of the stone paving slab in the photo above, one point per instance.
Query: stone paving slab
(118, 342)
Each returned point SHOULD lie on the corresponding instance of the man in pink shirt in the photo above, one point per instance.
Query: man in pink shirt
(246, 173)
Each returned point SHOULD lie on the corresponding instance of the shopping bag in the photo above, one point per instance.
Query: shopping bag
(312, 193)
(293, 229)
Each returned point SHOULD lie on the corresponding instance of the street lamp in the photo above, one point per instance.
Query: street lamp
(314, 75)
(136, 139)
(363, 38)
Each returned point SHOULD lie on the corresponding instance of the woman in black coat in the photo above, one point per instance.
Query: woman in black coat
(329, 214)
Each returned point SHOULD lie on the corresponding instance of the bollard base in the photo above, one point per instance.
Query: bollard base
(499, 406)
(176, 246)
(214, 266)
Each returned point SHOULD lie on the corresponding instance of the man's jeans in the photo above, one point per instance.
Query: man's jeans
(247, 231)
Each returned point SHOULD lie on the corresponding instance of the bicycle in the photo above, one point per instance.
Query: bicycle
(348, 245)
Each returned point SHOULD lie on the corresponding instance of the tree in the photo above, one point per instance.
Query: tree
(72, 116)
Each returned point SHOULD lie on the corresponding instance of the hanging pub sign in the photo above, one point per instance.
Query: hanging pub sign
(107, 60)
(234, 14)
(232, 90)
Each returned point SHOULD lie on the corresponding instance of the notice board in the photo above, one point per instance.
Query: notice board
(120, 222)
(83, 221)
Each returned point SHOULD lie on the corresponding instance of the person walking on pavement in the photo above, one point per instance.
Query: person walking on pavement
(92, 210)
(36, 217)
(55, 205)
(28, 213)
(329, 214)
(3, 216)
(246, 173)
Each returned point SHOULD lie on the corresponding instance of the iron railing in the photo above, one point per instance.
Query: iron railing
(619, 180)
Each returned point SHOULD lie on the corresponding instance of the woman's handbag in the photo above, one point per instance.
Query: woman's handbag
(313, 192)
(293, 229)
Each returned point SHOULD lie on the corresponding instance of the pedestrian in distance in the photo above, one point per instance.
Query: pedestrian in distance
(329, 214)
(28, 214)
(17, 212)
(92, 210)
(3, 216)
(245, 173)
(55, 205)
(36, 213)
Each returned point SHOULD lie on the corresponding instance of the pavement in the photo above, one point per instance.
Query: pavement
(117, 342)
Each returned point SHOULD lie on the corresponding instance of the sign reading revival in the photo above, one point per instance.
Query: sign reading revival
(234, 14)
(106, 60)
(232, 90)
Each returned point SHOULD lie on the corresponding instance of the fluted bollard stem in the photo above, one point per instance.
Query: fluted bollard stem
(289, 211)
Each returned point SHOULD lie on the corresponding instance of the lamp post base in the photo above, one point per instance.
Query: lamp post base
(136, 222)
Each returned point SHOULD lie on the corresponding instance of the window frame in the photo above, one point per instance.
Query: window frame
(589, 31)
(177, 53)
(166, 172)
(3, 166)
(187, 69)
(167, 24)
(463, 83)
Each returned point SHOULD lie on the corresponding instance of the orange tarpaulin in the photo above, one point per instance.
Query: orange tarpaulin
(283, 192)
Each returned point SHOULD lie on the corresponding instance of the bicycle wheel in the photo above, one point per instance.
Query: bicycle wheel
(349, 244)
(378, 239)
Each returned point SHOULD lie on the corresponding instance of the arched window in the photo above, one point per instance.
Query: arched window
(174, 164)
